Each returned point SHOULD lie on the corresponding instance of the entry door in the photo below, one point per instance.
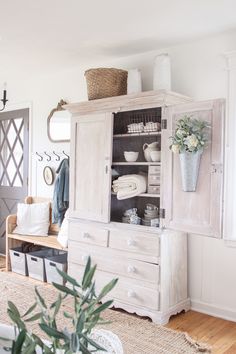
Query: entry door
(90, 184)
(14, 160)
(198, 212)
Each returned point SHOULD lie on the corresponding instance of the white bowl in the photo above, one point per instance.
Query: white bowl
(155, 156)
(131, 156)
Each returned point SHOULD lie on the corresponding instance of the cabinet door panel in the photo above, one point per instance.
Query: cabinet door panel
(200, 211)
(91, 166)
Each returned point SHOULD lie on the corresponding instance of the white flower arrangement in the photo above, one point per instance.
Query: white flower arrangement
(190, 135)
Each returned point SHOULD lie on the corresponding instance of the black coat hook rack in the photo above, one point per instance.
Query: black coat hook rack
(48, 156)
(65, 154)
(40, 157)
(57, 156)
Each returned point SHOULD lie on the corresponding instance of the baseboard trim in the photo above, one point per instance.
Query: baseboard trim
(212, 310)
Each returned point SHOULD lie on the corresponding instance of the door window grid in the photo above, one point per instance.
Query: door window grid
(11, 152)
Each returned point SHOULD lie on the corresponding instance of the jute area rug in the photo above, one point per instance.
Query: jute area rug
(138, 336)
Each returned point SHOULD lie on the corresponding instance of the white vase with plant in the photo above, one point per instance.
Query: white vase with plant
(189, 141)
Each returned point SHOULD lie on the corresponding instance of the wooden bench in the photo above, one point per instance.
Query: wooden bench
(15, 240)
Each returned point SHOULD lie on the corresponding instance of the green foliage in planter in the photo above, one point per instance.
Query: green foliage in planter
(190, 135)
(86, 314)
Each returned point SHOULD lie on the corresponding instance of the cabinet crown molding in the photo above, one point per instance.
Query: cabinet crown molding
(113, 104)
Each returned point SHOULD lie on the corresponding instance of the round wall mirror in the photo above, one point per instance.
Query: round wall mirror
(58, 124)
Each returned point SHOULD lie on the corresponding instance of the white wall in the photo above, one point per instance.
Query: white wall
(198, 70)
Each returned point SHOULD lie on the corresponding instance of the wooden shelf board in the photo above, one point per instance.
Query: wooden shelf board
(136, 134)
(149, 195)
(47, 241)
(146, 195)
(136, 163)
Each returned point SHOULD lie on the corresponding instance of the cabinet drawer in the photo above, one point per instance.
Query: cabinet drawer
(154, 179)
(130, 292)
(117, 263)
(136, 295)
(154, 170)
(88, 234)
(153, 189)
(137, 242)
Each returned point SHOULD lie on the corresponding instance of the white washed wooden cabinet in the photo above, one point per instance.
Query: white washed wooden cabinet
(151, 263)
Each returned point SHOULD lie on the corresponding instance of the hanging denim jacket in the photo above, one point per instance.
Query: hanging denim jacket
(61, 193)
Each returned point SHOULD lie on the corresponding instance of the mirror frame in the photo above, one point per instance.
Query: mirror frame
(57, 109)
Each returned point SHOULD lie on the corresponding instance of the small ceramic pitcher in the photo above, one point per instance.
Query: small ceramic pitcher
(147, 148)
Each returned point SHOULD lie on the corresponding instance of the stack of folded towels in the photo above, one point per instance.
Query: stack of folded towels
(129, 186)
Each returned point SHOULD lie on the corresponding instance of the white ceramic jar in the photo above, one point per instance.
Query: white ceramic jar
(134, 83)
(155, 155)
(162, 72)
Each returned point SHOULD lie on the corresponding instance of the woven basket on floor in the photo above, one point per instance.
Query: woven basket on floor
(106, 82)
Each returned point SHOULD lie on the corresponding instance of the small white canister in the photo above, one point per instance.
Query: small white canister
(134, 84)
(162, 72)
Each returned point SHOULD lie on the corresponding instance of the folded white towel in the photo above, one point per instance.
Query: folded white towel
(129, 186)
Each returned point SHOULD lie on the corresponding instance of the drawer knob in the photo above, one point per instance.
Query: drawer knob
(84, 258)
(131, 269)
(86, 235)
(131, 293)
(131, 242)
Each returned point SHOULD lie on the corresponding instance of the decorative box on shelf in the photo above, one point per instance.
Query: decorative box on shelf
(154, 176)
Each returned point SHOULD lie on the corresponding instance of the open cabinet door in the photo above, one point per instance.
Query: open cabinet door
(197, 212)
(90, 166)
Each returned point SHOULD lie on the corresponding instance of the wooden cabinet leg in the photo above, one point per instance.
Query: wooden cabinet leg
(7, 254)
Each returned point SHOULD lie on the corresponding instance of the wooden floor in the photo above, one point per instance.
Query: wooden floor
(218, 333)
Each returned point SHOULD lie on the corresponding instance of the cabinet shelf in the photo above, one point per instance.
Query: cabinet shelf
(149, 195)
(126, 135)
(136, 163)
(145, 195)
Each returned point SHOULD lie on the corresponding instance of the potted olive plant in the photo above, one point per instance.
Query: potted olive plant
(189, 141)
(86, 314)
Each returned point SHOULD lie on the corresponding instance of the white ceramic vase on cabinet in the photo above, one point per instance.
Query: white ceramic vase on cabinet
(162, 72)
(134, 83)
